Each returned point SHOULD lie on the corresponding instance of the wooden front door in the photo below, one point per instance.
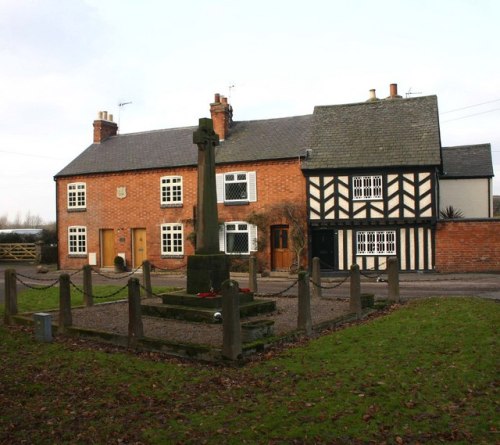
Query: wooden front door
(140, 252)
(281, 255)
(107, 247)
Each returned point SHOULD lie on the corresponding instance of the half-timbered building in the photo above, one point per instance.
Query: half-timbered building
(372, 183)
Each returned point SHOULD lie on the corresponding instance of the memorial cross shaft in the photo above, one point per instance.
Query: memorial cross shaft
(207, 224)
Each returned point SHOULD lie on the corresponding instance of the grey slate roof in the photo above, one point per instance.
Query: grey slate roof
(248, 141)
(467, 161)
(385, 133)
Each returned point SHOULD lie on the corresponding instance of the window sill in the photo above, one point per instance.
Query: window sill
(77, 255)
(169, 206)
(236, 203)
(172, 257)
(84, 209)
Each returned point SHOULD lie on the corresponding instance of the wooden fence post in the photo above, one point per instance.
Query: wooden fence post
(316, 278)
(65, 318)
(88, 298)
(10, 308)
(355, 298)
(252, 274)
(304, 321)
(135, 327)
(231, 330)
(393, 279)
(146, 277)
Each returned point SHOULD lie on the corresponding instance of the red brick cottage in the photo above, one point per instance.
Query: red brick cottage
(134, 195)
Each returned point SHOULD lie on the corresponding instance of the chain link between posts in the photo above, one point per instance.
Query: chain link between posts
(114, 293)
(339, 283)
(36, 287)
(155, 267)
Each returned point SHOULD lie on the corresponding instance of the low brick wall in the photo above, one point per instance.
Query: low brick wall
(468, 245)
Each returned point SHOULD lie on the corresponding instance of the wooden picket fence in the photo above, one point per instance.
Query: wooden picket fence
(18, 252)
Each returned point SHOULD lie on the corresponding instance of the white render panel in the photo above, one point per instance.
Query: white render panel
(425, 201)
(340, 248)
(470, 196)
(421, 248)
(370, 262)
(378, 209)
(412, 248)
(402, 249)
(357, 206)
(429, 249)
(349, 247)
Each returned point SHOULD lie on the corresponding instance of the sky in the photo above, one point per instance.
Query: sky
(63, 61)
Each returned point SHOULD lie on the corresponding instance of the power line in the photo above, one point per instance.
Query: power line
(471, 115)
(471, 106)
(30, 155)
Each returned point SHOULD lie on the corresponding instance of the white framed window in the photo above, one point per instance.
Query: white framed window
(172, 239)
(367, 187)
(236, 187)
(376, 242)
(171, 190)
(237, 238)
(77, 240)
(77, 195)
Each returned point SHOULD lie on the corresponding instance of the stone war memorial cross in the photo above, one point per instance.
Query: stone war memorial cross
(208, 268)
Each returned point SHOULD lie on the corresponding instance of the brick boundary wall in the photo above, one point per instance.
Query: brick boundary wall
(471, 245)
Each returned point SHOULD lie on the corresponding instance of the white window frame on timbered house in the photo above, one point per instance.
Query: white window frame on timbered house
(376, 242)
(367, 187)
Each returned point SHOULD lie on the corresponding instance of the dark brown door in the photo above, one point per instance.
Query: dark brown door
(281, 255)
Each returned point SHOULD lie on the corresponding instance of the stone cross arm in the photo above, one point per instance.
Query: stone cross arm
(205, 135)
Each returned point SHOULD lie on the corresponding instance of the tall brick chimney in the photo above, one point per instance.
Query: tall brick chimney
(104, 127)
(222, 115)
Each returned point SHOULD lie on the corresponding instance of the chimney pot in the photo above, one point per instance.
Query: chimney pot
(104, 127)
(110, 117)
(372, 97)
(224, 100)
(217, 98)
(394, 89)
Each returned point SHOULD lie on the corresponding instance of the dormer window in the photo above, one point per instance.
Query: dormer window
(367, 187)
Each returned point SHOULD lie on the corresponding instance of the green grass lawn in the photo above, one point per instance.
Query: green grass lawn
(425, 373)
(33, 300)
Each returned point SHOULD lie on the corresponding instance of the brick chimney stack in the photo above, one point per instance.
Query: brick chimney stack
(104, 127)
(222, 116)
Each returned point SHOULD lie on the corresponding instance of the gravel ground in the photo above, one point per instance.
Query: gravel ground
(113, 317)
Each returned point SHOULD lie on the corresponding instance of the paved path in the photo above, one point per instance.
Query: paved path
(414, 285)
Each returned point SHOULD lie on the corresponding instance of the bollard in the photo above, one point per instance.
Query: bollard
(252, 274)
(316, 278)
(146, 278)
(231, 331)
(355, 300)
(304, 321)
(65, 318)
(10, 306)
(135, 327)
(88, 298)
(393, 280)
(43, 327)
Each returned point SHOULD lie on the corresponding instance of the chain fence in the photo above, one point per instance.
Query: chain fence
(120, 277)
(30, 286)
(339, 283)
(154, 267)
(112, 294)
(280, 293)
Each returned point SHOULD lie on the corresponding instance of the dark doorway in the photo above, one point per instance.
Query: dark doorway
(324, 246)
